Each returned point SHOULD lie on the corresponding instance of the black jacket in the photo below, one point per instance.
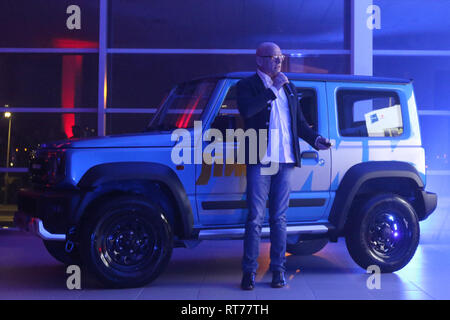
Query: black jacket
(252, 97)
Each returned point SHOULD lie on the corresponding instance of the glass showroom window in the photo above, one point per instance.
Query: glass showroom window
(419, 25)
(48, 80)
(227, 24)
(42, 24)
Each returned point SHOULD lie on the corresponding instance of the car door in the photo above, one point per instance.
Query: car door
(310, 194)
(220, 188)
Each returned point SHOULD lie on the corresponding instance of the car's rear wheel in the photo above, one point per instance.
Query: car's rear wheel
(383, 232)
(127, 242)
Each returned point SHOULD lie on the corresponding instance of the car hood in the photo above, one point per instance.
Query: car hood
(147, 139)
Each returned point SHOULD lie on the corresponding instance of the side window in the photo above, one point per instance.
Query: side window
(228, 116)
(365, 113)
(308, 103)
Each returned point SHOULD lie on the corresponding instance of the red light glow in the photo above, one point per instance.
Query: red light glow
(71, 76)
(74, 44)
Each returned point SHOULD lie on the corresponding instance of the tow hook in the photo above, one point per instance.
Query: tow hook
(69, 243)
(69, 246)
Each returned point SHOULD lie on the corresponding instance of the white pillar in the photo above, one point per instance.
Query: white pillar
(361, 38)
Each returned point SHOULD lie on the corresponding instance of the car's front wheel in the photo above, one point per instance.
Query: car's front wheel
(383, 232)
(127, 242)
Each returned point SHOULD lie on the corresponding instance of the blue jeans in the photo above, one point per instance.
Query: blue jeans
(277, 188)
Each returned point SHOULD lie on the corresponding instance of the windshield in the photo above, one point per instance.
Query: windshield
(183, 106)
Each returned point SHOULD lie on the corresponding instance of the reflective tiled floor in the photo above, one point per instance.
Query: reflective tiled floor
(212, 271)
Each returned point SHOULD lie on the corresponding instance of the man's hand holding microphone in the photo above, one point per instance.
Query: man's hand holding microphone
(323, 143)
(278, 82)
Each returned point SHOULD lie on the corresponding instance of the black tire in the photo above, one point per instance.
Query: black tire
(306, 247)
(57, 250)
(384, 232)
(126, 242)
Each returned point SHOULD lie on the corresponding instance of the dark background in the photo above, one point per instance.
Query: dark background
(415, 33)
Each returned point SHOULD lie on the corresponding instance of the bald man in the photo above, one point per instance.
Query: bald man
(267, 100)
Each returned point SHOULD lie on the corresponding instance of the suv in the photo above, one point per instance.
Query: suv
(119, 204)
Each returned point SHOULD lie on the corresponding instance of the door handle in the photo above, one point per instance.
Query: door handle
(310, 155)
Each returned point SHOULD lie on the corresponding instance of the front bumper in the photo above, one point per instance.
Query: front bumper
(36, 227)
(51, 207)
(429, 203)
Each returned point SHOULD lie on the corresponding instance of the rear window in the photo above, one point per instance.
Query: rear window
(369, 113)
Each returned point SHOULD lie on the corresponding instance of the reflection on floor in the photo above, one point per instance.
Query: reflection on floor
(212, 271)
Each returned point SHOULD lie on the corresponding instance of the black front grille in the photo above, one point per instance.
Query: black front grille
(47, 167)
(37, 170)
(52, 207)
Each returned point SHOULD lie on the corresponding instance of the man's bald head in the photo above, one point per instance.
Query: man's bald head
(267, 48)
(264, 61)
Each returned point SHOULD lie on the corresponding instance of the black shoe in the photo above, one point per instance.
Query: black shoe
(278, 279)
(248, 281)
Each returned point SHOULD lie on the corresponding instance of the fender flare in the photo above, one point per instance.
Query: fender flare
(354, 179)
(108, 173)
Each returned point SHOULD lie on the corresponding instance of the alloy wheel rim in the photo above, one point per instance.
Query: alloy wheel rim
(388, 234)
(127, 243)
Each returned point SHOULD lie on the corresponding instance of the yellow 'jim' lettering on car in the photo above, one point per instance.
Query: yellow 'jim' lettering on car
(219, 171)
